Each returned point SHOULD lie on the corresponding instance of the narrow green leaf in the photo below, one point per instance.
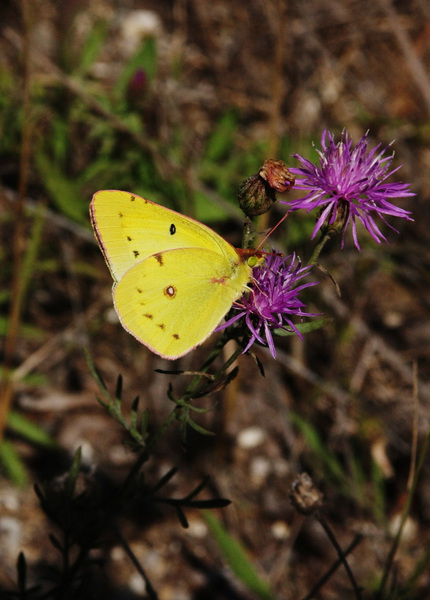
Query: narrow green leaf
(29, 332)
(328, 458)
(13, 464)
(221, 141)
(65, 193)
(236, 556)
(145, 60)
(303, 327)
(29, 430)
(73, 473)
(92, 46)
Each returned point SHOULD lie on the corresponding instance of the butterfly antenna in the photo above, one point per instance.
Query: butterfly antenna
(272, 230)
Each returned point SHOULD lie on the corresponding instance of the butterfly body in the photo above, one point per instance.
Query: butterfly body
(174, 278)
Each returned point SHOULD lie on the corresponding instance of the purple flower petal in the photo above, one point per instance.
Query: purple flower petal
(273, 300)
(353, 175)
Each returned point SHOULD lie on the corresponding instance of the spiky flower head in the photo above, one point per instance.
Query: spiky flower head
(349, 183)
(273, 300)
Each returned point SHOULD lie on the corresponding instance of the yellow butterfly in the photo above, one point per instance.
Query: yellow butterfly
(174, 278)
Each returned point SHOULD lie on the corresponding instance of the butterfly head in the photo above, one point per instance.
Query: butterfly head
(253, 258)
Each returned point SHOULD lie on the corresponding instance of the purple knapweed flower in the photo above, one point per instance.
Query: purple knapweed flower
(273, 300)
(349, 183)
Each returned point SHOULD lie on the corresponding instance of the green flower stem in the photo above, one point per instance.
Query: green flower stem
(247, 234)
(329, 233)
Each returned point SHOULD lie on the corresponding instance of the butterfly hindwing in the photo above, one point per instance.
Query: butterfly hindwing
(173, 300)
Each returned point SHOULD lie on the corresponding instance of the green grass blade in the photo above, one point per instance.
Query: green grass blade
(12, 463)
(236, 556)
(29, 430)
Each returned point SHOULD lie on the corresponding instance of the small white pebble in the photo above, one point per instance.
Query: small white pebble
(117, 553)
(10, 533)
(259, 469)
(393, 319)
(197, 529)
(251, 437)
(280, 530)
(10, 501)
(87, 451)
(409, 530)
(137, 25)
(111, 316)
(136, 584)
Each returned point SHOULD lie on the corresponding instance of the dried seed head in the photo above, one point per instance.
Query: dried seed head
(277, 175)
(304, 496)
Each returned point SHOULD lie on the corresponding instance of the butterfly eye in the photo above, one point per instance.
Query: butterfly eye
(254, 261)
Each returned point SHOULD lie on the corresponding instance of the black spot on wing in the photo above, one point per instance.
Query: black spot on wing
(172, 229)
(132, 198)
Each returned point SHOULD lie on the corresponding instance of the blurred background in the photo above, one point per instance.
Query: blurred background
(179, 101)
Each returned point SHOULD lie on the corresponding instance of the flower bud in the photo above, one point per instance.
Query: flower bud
(255, 196)
(258, 192)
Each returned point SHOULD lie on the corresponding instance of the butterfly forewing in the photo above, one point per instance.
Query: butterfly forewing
(129, 229)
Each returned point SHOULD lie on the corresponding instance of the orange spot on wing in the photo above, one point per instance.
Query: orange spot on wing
(221, 280)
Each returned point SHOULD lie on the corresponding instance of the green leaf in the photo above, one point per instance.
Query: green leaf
(206, 210)
(236, 556)
(144, 59)
(12, 463)
(221, 141)
(29, 332)
(29, 430)
(303, 327)
(73, 473)
(313, 439)
(65, 193)
(92, 46)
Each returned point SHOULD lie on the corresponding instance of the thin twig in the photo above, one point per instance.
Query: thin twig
(152, 594)
(415, 65)
(342, 556)
(17, 288)
(414, 472)
(333, 568)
